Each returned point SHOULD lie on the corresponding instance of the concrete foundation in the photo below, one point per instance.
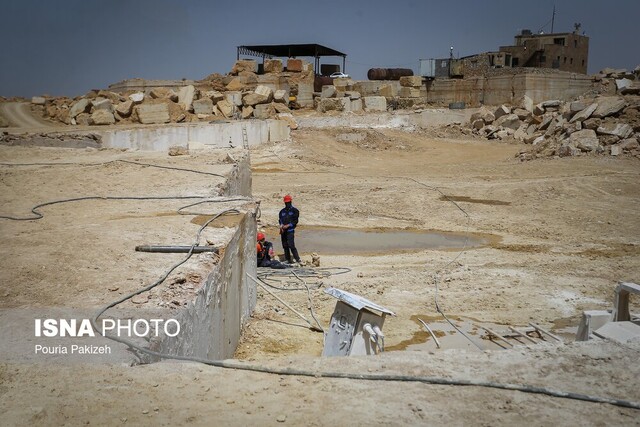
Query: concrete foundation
(215, 135)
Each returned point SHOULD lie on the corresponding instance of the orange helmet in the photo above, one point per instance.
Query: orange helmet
(261, 236)
(287, 198)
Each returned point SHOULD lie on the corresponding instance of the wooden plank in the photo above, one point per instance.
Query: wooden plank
(522, 334)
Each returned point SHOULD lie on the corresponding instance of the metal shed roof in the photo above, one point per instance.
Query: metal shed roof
(289, 50)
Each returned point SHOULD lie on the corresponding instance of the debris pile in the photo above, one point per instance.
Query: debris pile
(607, 124)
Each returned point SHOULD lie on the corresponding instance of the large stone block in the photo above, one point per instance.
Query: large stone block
(214, 95)
(272, 65)
(409, 92)
(411, 81)
(289, 119)
(264, 91)
(245, 65)
(81, 106)
(153, 113)
(164, 93)
(375, 103)
(203, 106)
(281, 96)
(226, 108)
(237, 84)
(278, 130)
(125, 108)
(102, 117)
(510, 121)
(585, 140)
(264, 111)
(137, 97)
(621, 130)
(328, 91)
(502, 110)
(583, 114)
(185, 97)
(38, 100)
(234, 98)
(334, 104)
(388, 91)
(102, 104)
(294, 65)
(608, 106)
(247, 112)
(356, 105)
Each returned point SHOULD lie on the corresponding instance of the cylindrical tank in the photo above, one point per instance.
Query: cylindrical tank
(388, 73)
(321, 81)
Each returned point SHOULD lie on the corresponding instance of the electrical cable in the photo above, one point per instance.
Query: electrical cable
(308, 373)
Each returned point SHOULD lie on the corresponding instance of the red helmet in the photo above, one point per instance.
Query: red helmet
(260, 236)
(287, 198)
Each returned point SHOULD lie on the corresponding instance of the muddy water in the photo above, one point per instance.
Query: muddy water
(341, 241)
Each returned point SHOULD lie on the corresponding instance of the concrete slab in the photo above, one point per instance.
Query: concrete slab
(621, 332)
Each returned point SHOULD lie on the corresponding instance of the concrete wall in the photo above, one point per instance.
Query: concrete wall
(215, 135)
(506, 89)
(212, 323)
(240, 181)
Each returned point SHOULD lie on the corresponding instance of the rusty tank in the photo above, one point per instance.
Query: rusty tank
(388, 73)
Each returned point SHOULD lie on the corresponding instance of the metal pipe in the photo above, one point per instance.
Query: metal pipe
(176, 249)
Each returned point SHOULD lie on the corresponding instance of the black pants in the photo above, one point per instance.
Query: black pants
(272, 263)
(289, 246)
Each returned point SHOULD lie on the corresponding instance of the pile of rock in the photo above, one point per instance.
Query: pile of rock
(605, 124)
(242, 94)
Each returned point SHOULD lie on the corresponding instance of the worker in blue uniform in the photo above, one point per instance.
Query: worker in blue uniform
(288, 220)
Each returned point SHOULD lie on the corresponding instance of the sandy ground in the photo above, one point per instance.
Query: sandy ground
(563, 232)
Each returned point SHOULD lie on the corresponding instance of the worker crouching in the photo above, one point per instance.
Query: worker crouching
(265, 253)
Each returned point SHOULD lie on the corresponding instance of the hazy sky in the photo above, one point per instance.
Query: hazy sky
(67, 47)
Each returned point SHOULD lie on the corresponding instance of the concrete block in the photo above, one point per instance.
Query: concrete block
(294, 65)
(38, 100)
(203, 106)
(411, 81)
(153, 113)
(375, 103)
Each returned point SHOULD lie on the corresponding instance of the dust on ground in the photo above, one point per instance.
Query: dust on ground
(569, 230)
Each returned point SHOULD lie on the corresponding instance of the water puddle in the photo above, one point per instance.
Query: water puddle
(472, 200)
(342, 241)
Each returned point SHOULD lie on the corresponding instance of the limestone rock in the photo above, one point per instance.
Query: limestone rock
(566, 150)
(375, 103)
(355, 105)
(102, 117)
(247, 112)
(152, 113)
(262, 95)
(102, 104)
(522, 113)
(333, 104)
(629, 144)
(125, 108)
(280, 108)
(328, 91)
(163, 93)
(245, 65)
(478, 124)
(551, 104)
(608, 106)
(591, 123)
(294, 65)
(178, 150)
(83, 119)
(234, 98)
(510, 121)
(186, 95)
(353, 95)
(81, 106)
(526, 103)
(409, 92)
(585, 140)
(236, 84)
(137, 97)
(288, 117)
(584, 114)
(538, 110)
(264, 111)
(502, 110)
(621, 130)
(272, 65)
(203, 106)
(265, 91)
(411, 81)
(226, 108)
(576, 106)
(280, 95)
(38, 100)
(616, 150)
(388, 91)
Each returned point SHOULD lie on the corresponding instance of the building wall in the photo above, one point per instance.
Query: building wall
(561, 51)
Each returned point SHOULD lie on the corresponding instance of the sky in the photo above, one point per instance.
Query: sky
(68, 47)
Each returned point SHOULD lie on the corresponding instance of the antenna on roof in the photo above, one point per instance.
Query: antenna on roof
(553, 18)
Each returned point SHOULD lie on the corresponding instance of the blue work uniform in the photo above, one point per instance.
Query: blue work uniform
(289, 216)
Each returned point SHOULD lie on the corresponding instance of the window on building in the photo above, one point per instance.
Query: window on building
(559, 40)
(575, 43)
(571, 62)
(565, 59)
(514, 62)
(543, 59)
(583, 62)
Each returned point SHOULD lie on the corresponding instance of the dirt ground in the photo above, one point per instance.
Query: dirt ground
(563, 232)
